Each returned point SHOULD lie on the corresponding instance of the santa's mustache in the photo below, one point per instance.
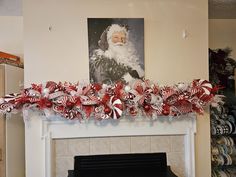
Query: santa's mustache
(118, 44)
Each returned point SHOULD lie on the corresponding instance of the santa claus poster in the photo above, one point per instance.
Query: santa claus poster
(116, 49)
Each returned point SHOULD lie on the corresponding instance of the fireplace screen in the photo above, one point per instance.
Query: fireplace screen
(122, 165)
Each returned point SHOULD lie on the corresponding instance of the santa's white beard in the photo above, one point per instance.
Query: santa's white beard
(125, 54)
(119, 52)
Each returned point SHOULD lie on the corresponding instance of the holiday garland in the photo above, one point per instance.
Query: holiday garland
(101, 101)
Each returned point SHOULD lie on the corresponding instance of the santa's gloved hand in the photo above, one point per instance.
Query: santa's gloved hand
(134, 74)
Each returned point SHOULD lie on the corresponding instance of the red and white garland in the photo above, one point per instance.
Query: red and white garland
(78, 101)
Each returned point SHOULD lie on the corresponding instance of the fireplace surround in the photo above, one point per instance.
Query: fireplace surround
(57, 129)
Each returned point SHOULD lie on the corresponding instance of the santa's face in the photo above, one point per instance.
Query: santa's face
(118, 38)
(120, 48)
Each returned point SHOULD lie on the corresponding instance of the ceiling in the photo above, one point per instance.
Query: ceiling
(11, 7)
(218, 9)
(222, 9)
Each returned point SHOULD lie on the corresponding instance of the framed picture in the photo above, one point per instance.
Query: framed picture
(116, 49)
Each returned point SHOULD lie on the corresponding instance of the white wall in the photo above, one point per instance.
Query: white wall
(222, 34)
(62, 53)
(11, 35)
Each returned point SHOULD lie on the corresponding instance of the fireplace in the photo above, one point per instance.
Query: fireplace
(100, 137)
(66, 149)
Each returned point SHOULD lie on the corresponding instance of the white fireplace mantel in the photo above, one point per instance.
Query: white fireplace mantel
(40, 133)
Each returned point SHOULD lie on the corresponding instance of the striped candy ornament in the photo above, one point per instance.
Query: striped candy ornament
(203, 85)
(116, 107)
(6, 107)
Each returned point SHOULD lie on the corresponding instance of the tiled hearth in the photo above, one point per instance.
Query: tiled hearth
(66, 149)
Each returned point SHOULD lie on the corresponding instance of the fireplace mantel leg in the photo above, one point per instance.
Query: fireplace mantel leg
(34, 148)
(190, 153)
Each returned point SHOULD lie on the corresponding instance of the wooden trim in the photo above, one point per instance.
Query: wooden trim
(9, 56)
(6, 58)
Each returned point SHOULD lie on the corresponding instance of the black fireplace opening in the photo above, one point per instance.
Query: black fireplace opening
(121, 165)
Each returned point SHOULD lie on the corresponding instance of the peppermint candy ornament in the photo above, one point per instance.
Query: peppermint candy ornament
(204, 85)
(116, 107)
(6, 107)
